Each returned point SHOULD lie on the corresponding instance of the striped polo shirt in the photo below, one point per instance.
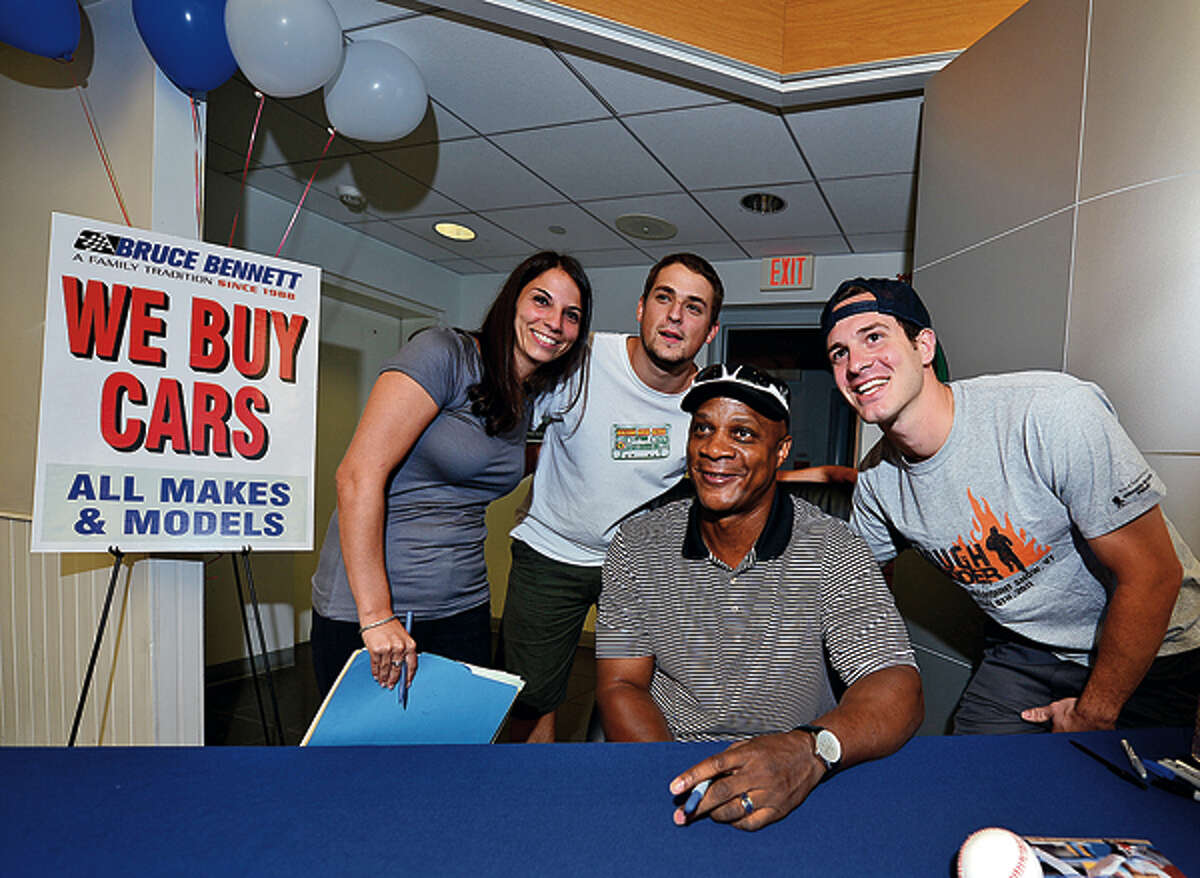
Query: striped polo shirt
(742, 651)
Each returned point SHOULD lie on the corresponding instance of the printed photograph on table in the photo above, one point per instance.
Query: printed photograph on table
(1127, 857)
(179, 387)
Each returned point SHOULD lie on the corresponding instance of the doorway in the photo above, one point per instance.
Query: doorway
(787, 343)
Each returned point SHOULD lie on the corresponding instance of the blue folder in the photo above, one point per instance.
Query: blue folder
(449, 702)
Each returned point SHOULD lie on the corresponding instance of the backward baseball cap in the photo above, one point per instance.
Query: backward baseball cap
(893, 297)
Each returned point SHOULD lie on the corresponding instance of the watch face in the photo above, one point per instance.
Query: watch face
(829, 747)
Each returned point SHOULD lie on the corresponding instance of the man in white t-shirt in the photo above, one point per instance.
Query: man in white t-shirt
(620, 444)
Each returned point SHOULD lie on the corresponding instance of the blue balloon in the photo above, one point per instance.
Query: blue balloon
(47, 27)
(187, 40)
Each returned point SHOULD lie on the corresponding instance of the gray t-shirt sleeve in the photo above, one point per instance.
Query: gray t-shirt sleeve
(1089, 461)
(434, 359)
(868, 520)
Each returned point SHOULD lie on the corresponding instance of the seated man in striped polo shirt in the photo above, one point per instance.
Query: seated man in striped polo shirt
(720, 609)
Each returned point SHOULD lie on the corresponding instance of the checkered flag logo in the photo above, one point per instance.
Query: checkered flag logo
(97, 242)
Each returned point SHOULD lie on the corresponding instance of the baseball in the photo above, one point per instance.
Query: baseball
(997, 853)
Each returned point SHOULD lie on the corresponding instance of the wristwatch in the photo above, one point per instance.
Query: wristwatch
(826, 744)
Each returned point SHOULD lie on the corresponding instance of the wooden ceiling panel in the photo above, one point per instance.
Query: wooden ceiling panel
(819, 34)
(799, 36)
(746, 30)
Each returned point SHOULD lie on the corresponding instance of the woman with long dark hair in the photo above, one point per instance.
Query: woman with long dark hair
(442, 435)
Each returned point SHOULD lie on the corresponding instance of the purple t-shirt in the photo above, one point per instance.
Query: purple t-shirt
(436, 498)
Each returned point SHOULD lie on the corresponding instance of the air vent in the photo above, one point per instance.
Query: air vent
(645, 228)
(762, 203)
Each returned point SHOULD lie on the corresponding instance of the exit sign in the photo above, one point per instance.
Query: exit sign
(787, 273)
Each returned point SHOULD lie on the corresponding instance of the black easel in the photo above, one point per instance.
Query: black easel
(87, 679)
(262, 715)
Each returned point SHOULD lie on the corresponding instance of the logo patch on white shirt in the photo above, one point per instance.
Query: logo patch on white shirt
(640, 441)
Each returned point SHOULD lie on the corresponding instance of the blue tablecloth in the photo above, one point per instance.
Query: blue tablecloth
(567, 809)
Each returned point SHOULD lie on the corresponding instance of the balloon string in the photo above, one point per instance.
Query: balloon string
(83, 101)
(246, 166)
(296, 212)
(197, 167)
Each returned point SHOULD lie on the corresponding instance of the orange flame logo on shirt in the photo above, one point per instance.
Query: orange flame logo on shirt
(1009, 544)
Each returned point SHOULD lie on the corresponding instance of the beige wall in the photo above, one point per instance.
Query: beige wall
(1057, 209)
(149, 678)
(1057, 213)
(48, 162)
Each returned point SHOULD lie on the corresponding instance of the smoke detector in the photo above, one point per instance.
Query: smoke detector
(352, 197)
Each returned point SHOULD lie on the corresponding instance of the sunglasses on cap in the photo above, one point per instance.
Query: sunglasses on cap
(758, 388)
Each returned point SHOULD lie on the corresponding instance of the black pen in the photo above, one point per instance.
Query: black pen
(1178, 787)
(1111, 766)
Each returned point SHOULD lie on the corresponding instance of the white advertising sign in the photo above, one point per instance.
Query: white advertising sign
(179, 395)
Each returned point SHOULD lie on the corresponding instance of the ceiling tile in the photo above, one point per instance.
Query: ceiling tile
(581, 230)
(501, 264)
(805, 214)
(631, 89)
(589, 159)
(310, 105)
(872, 204)
(473, 172)
(358, 13)
(493, 79)
(819, 246)
(405, 240)
(608, 258)
(490, 240)
(283, 185)
(872, 138)
(713, 251)
(223, 160)
(283, 135)
(438, 124)
(389, 193)
(724, 145)
(883, 242)
(466, 266)
(693, 223)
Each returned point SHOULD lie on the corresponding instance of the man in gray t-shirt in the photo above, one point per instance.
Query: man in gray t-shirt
(1024, 490)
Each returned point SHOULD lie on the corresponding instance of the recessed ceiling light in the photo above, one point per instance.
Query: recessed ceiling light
(454, 231)
(645, 227)
(763, 203)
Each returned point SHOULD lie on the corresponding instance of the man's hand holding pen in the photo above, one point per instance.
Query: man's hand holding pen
(752, 783)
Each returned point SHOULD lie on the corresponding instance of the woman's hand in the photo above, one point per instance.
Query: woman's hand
(392, 649)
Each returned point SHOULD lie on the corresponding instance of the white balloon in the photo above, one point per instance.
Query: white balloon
(378, 94)
(285, 47)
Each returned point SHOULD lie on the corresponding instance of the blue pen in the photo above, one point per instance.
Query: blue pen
(404, 669)
(693, 800)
